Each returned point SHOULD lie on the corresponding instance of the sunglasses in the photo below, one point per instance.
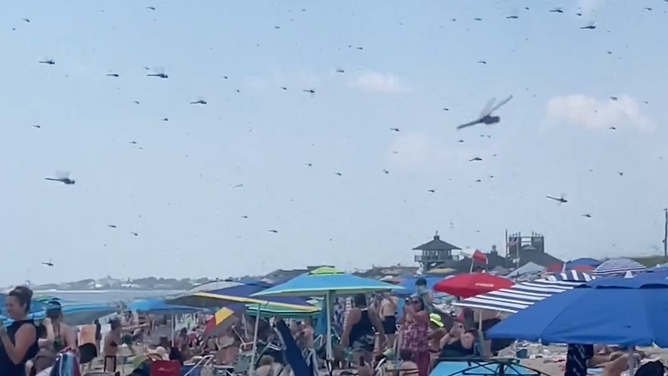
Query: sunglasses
(415, 302)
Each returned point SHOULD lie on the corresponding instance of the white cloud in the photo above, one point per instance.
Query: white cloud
(379, 83)
(590, 112)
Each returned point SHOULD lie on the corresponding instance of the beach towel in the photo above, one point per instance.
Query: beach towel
(66, 364)
(576, 359)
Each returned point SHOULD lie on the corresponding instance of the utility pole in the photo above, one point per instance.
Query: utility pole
(665, 234)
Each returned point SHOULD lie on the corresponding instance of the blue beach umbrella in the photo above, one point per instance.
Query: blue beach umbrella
(323, 280)
(158, 305)
(75, 314)
(238, 294)
(618, 266)
(624, 311)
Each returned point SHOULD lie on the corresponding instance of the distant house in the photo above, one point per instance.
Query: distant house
(522, 250)
(435, 253)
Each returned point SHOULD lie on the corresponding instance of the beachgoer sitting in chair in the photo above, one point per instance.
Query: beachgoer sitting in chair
(458, 343)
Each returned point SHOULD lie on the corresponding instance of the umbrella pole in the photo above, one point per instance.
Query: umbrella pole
(251, 371)
(483, 348)
(328, 306)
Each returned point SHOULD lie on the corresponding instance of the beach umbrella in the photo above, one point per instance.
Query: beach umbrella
(521, 295)
(528, 268)
(213, 285)
(158, 306)
(471, 284)
(75, 314)
(582, 268)
(624, 311)
(583, 261)
(273, 311)
(618, 266)
(327, 282)
(238, 294)
(224, 318)
(442, 271)
(320, 281)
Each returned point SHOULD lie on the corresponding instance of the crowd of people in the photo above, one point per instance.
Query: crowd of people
(420, 338)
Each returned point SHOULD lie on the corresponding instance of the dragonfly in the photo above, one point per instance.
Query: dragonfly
(200, 100)
(63, 177)
(560, 200)
(486, 113)
(590, 26)
(158, 72)
(48, 62)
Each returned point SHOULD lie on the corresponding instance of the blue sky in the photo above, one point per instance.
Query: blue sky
(177, 191)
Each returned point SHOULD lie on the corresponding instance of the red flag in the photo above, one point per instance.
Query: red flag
(479, 256)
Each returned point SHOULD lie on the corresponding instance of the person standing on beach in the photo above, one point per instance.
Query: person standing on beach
(388, 314)
(64, 336)
(425, 293)
(19, 341)
(415, 332)
(358, 330)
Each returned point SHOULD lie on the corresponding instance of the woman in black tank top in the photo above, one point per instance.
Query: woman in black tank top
(360, 329)
(18, 341)
(457, 343)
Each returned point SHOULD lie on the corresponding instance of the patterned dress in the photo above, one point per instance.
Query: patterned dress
(414, 338)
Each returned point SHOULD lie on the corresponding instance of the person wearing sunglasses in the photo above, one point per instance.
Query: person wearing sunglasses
(415, 332)
(458, 343)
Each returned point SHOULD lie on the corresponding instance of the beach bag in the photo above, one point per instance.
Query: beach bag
(165, 368)
(66, 364)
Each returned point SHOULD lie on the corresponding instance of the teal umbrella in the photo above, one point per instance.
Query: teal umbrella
(327, 282)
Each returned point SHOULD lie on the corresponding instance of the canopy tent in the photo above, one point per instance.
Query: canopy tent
(624, 311)
(618, 266)
(158, 305)
(528, 268)
(523, 295)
